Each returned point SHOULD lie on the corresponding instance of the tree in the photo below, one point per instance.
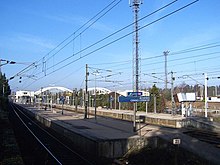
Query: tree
(154, 91)
(5, 91)
(167, 94)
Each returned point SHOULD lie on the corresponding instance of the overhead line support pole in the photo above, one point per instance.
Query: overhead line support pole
(165, 54)
(206, 95)
(95, 97)
(76, 99)
(86, 93)
(172, 94)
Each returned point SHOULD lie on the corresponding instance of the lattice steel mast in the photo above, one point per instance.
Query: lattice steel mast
(136, 72)
(136, 59)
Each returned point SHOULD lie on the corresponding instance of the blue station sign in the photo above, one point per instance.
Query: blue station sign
(62, 99)
(135, 94)
(134, 99)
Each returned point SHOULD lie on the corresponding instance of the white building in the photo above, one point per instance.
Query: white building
(24, 97)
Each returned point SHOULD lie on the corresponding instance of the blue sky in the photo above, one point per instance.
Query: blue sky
(30, 30)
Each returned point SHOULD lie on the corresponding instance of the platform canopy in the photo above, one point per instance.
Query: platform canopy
(63, 89)
(99, 90)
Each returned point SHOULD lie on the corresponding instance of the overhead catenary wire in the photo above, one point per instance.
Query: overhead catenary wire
(178, 59)
(104, 39)
(92, 23)
(184, 58)
(196, 77)
(35, 64)
(193, 49)
(188, 50)
(120, 38)
(68, 75)
(52, 67)
(190, 57)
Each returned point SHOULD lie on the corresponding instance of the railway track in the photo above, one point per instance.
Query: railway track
(42, 146)
(207, 136)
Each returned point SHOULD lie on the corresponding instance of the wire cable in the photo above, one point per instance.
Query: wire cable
(103, 40)
(120, 38)
(92, 45)
(79, 35)
(35, 64)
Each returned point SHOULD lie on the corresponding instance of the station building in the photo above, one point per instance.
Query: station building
(24, 97)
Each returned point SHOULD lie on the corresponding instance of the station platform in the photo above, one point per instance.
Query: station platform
(113, 138)
(103, 137)
(160, 119)
(167, 120)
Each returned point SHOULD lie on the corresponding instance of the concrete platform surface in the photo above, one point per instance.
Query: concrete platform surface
(109, 133)
(101, 128)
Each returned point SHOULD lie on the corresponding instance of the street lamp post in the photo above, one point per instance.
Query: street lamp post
(95, 74)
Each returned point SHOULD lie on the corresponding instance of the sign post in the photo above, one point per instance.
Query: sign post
(62, 99)
(134, 97)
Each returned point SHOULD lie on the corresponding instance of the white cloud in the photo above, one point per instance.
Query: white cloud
(35, 40)
(64, 19)
(80, 21)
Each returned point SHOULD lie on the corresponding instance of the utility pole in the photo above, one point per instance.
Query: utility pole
(76, 99)
(135, 4)
(95, 95)
(73, 97)
(165, 55)
(86, 94)
(172, 93)
(206, 94)
(41, 97)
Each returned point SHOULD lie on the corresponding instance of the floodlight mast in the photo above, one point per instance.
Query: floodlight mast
(135, 4)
